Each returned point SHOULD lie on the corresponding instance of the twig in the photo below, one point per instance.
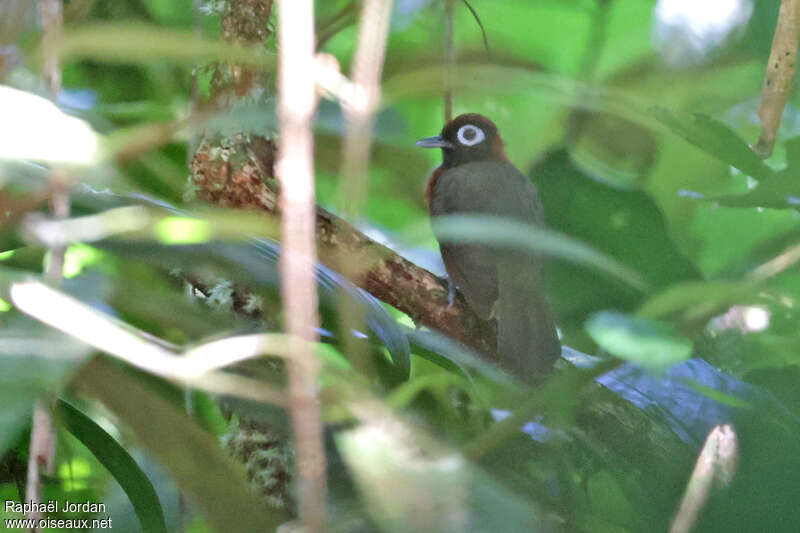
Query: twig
(360, 114)
(244, 184)
(789, 257)
(40, 457)
(449, 60)
(715, 467)
(336, 23)
(296, 100)
(779, 76)
(480, 25)
(41, 452)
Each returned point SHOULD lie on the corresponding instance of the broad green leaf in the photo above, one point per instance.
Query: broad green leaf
(215, 483)
(717, 139)
(119, 463)
(654, 345)
(608, 499)
(625, 223)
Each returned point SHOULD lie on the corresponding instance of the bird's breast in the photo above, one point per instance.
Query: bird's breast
(430, 186)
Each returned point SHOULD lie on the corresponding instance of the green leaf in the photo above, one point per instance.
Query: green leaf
(536, 239)
(654, 345)
(34, 360)
(508, 80)
(626, 224)
(177, 12)
(119, 463)
(194, 458)
(783, 192)
(136, 43)
(721, 397)
(450, 354)
(717, 139)
(684, 296)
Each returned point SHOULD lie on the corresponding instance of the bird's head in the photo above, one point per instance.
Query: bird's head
(467, 138)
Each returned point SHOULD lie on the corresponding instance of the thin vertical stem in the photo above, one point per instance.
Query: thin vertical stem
(41, 452)
(449, 59)
(360, 114)
(296, 173)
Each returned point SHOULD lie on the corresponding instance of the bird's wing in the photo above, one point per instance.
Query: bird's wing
(485, 188)
(506, 281)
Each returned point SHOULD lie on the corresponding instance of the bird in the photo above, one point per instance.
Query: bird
(503, 284)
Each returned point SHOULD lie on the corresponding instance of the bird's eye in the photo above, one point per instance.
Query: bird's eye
(470, 135)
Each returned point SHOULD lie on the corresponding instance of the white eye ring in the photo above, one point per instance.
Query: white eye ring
(479, 135)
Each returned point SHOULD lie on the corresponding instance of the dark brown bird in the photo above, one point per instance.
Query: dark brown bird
(476, 177)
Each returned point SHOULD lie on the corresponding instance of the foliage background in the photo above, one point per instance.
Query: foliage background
(635, 130)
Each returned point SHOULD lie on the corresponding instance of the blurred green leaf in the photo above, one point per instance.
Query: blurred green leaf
(450, 354)
(171, 11)
(782, 192)
(654, 345)
(411, 483)
(137, 43)
(724, 399)
(501, 80)
(194, 458)
(254, 265)
(34, 361)
(534, 239)
(710, 295)
(717, 139)
(608, 499)
(119, 463)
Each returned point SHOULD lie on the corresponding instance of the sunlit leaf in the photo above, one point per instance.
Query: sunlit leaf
(65, 139)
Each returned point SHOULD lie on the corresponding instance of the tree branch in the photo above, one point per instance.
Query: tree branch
(244, 180)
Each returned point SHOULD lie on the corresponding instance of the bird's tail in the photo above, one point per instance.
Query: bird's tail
(527, 342)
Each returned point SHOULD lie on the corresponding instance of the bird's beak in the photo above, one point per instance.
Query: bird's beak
(433, 142)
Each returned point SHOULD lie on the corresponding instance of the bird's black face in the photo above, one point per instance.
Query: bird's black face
(467, 138)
